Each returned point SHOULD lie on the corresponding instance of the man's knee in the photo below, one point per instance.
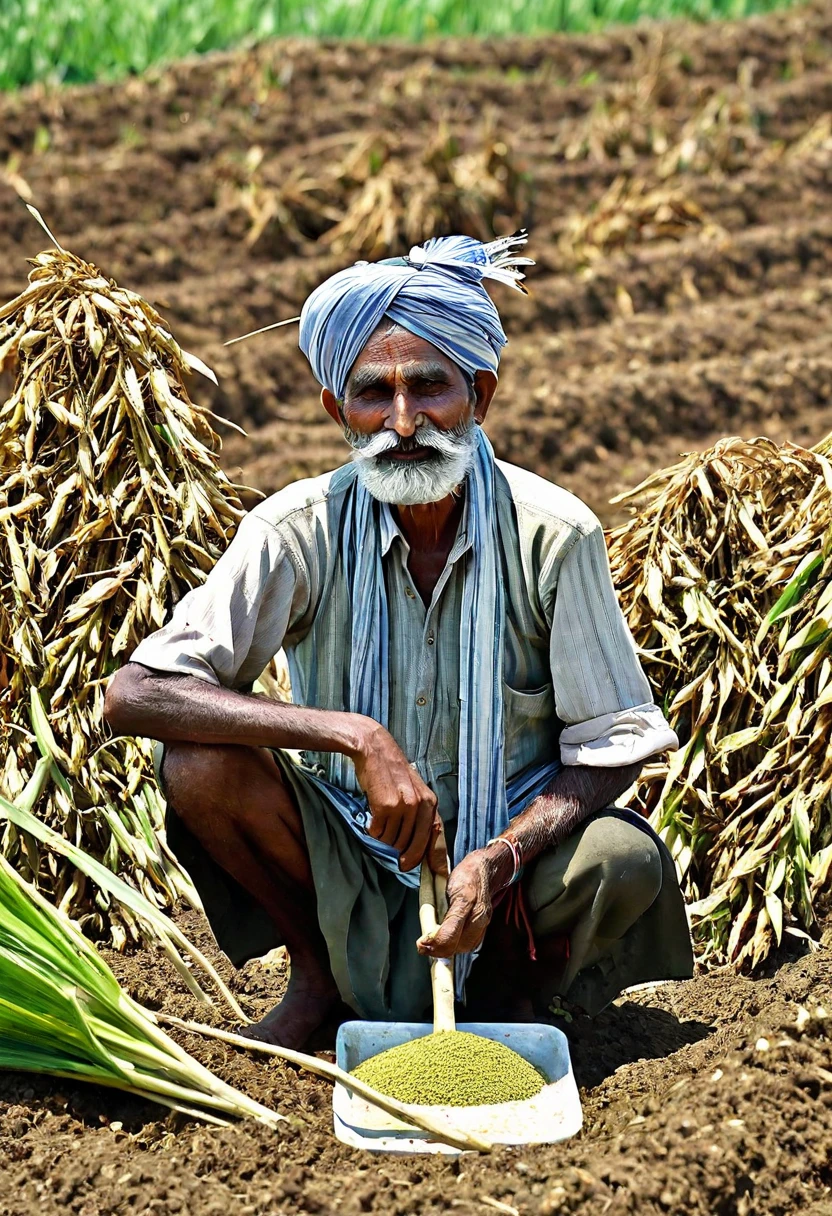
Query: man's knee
(196, 773)
(607, 853)
(629, 861)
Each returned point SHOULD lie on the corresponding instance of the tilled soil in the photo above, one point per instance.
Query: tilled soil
(226, 188)
(709, 1096)
(222, 189)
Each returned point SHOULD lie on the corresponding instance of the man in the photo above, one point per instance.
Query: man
(456, 653)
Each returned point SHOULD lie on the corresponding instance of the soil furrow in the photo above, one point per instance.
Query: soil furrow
(201, 220)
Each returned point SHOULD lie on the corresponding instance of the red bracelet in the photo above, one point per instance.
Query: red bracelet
(517, 860)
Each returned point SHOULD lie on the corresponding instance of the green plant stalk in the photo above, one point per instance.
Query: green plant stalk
(434, 1125)
(168, 934)
(63, 1012)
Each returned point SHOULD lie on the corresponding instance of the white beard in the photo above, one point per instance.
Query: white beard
(415, 482)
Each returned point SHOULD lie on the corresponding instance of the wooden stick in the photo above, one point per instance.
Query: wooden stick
(322, 1068)
(433, 905)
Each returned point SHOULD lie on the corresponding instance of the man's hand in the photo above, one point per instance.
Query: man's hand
(402, 807)
(471, 886)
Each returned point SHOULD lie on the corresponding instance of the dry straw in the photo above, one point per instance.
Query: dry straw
(725, 576)
(112, 506)
(370, 203)
(391, 208)
(632, 212)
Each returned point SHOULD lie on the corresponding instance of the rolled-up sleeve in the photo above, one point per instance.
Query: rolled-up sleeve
(601, 693)
(227, 630)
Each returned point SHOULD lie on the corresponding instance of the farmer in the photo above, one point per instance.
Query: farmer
(456, 653)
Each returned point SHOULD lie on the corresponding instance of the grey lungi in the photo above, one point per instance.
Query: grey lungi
(610, 888)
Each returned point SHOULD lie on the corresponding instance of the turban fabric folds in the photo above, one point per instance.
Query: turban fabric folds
(436, 292)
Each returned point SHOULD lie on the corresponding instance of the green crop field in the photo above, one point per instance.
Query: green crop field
(84, 40)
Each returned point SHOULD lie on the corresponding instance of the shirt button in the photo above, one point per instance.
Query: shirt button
(421, 701)
(430, 639)
(410, 593)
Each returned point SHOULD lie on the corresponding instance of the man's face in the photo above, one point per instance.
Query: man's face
(409, 414)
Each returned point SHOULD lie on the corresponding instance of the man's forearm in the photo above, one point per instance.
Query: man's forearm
(175, 708)
(577, 792)
(574, 794)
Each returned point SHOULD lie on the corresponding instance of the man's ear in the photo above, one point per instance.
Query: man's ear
(485, 386)
(330, 403)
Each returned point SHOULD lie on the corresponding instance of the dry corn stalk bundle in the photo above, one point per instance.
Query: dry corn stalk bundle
(393, 208)
(632, 212)
(621, 128)
(725, 577)
(634, 117)
(723, 136)
(112, 505)
(368, 201)
(273, 212)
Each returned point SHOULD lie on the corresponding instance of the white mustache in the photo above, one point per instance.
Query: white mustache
(407, 482)
(428, 435)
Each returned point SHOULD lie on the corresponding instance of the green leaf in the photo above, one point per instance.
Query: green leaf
(47, 743)
(169, 935)
(802, 578)
(801, 826)
(63, 1012)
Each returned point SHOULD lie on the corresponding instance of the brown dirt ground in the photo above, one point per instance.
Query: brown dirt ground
(612, 370)
(700, 1097)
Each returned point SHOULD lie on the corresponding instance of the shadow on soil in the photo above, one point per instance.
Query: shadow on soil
(625, 1033)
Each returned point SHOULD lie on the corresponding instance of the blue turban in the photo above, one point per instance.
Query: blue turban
(436, 292)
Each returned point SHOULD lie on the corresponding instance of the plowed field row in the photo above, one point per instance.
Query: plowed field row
(150, 175)
(697, 303)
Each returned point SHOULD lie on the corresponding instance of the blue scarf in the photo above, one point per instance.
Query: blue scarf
(486, 803)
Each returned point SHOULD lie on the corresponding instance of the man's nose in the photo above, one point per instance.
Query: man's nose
(404, 415)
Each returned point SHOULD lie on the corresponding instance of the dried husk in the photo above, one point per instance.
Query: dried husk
(112, 506)
(725, 578)
(392, 209)
(633, 211)
(369, 203)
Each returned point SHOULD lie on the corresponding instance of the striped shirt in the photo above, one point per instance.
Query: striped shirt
(573, 685)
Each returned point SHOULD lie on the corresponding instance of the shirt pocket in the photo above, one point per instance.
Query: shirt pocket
(531, 727)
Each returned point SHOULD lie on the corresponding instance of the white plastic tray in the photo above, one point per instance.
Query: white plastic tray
(553, 1114)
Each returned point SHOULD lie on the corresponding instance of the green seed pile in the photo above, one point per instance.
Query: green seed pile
(452, 1068)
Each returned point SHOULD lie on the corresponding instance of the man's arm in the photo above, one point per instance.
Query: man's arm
(577, 792)
(573, 795)
(179, 708)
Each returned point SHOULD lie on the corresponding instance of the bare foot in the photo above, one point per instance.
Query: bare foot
(295, 1019)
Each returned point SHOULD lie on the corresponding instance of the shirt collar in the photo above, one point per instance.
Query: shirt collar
(390, 530)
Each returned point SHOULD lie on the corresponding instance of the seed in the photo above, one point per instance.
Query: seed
(452, 1068)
